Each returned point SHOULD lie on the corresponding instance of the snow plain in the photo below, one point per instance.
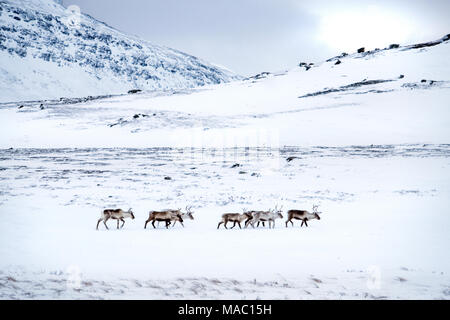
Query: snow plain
(374, 155)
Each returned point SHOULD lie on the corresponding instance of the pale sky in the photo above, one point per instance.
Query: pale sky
(252, 36)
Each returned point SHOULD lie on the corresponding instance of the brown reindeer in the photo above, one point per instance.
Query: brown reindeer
(116, 214)
(235, 218)
(166, 216)
(187, 214)
(173, 212)
(302, 215)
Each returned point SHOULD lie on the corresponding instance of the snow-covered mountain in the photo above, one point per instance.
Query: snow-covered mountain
(48, 51)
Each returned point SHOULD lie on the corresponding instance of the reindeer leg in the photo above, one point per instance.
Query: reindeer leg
(104, 222)
(174, 224)
(303, 221)
(226, 224)
(98, 222)
(292, 223)
(153, 224)
(182, 224)
(219, 224)
(306, 223)
(273, 224)
(234, 224)
(239, 225)
(167, 224)
(117, 223)
(123, 222)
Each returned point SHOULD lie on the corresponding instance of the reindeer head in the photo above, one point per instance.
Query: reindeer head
(131, 213)
(189, 212)
(315, 212)
(278, 212)
(248, 214)
(178, 217)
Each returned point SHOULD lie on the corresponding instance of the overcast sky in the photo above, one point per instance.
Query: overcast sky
(251, 36)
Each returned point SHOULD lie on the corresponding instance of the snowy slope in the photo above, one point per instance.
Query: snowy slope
(370, 98)
(47, 51)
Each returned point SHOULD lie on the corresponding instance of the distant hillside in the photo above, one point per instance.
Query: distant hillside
(48, 52)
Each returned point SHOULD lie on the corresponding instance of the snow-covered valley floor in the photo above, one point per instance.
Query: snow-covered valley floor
(383, 232)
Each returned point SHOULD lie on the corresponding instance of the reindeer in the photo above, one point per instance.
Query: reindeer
(167, 216)
(263, 216)
(250, 217)
(303, 215)
(187, 214)
(173, 212)
(259, 213)
(234, 217)
(117, 214)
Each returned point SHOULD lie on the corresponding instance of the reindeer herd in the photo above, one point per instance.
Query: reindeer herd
(170, 217)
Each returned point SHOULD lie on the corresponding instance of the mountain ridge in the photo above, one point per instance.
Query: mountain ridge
(47, 51)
